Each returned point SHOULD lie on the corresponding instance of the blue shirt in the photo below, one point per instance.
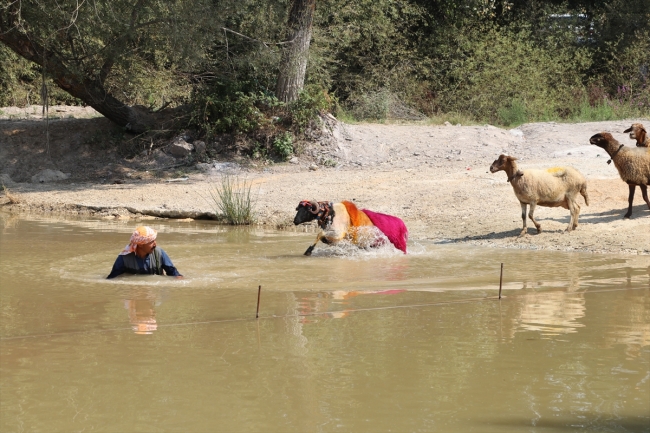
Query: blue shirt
(145, 265)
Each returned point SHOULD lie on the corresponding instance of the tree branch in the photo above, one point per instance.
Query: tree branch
(266, 44)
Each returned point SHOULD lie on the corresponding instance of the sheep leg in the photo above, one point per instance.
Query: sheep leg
(644, 194)
(311, 248)
(574, 211)
(630, 199)
(523, 218)
(532, 218)
(577, 215)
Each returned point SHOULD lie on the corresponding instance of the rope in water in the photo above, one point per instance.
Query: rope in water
(320, 313)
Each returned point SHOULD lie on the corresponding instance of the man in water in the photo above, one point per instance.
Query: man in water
(141, 256)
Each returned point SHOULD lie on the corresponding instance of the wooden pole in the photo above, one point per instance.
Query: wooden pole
(259, 292)
(500, 280)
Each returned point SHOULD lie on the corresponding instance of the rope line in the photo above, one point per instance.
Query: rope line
(320, 313)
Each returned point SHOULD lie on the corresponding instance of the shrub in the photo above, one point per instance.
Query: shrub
(13, 198)
(228, 108)
(283, 145)
(371, 105)
(514, 113)
(216, 113)
(312, 101)
(233, 200)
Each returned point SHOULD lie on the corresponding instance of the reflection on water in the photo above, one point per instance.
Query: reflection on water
(551, 313)
(419, 342)
(141, 307)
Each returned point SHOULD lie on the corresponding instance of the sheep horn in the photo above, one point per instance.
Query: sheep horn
(314, 207)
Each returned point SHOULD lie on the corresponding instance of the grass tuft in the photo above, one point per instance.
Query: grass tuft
(233, 200)
(13, 198)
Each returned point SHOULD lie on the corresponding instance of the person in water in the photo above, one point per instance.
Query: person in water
(141, 256)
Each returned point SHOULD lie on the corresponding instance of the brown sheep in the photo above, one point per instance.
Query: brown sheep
(632, 163)
(552, 187)
(638, 133)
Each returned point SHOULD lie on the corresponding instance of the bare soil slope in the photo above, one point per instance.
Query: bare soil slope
(436, 178)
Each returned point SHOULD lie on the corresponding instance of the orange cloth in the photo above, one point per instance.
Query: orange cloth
(142, 235)
(357, 217)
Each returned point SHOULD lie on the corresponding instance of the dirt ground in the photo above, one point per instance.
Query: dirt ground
(435, 178)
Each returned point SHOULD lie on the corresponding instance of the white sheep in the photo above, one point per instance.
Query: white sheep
(632, 163)
(553, 187)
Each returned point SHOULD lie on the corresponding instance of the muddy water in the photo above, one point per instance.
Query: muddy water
(347, 340)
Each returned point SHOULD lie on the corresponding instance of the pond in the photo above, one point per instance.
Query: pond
(347, 340)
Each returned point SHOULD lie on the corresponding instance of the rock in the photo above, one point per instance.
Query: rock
(313, 167)
(48, 175)
(180, 148)
(203, 166)
(294, 160)
(6, 180)
(162, 158)
(199, 147)
(517, 133)
(225, 167)
(447, 124)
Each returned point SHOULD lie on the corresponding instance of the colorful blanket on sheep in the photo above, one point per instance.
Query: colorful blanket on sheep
(392, 227)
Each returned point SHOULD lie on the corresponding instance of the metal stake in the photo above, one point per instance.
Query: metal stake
(500, 280)
(259, 292)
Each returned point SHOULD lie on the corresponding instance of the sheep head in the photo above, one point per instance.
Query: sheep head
(307, 210)
(604, 140)
(637, 132)
(502, 163)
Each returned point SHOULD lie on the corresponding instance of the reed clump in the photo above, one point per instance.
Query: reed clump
(233, 200)
(13, 198)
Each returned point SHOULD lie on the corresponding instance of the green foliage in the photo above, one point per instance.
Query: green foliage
(469, 61)
(626, 82)
(371, 105)
(20, 83)
(137, 50)
(240, 113)
(591, 113)
(312, 101)
(506, 77)
(233, 200)
(231, 107)
(283, 145)
(360, 47)
(514, 114)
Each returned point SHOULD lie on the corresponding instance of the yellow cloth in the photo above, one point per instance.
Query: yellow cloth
(141, 236)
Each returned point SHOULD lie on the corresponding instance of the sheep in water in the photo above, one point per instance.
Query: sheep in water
(557, 186)
(637, 132)
(344, 220)
(632, 163)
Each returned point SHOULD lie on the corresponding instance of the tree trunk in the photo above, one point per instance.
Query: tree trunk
(293, 65)
(90, 90)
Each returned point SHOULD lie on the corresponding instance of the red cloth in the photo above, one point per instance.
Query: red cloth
(393, 227)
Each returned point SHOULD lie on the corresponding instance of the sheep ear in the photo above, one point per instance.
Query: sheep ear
(627, 130)
(511, 158)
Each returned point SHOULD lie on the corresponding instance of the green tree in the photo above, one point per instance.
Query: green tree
(291, 78)
(112, 54)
